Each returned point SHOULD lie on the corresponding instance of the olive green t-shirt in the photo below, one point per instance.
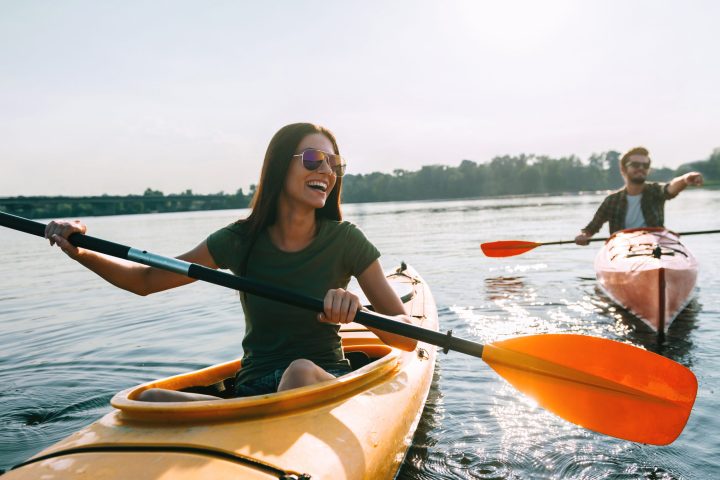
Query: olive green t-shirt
(277, 333)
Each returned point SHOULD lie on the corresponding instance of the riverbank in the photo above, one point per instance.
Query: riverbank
(105, 205)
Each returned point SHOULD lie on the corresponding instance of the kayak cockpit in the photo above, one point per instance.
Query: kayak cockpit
(357, 355)
(218, 380)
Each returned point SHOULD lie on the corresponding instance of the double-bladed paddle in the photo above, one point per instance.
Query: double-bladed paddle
(602, 385)
(510, 248)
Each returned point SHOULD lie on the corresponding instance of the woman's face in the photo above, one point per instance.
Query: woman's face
(310, 187)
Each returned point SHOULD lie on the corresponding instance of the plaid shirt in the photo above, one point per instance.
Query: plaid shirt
(614, 208)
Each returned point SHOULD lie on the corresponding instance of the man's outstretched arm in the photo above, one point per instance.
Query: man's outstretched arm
(678, 184)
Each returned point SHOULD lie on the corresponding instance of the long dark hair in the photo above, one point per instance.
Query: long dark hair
(279, 153)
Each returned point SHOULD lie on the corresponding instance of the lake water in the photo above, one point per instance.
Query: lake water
(70, 341)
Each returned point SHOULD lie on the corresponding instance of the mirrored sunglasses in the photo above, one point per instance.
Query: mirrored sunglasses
(643, 165)
(312, 159)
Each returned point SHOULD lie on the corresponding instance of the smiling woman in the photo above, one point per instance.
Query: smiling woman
(294, 238)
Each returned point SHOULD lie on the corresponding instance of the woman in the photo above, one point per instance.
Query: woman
(295, 238)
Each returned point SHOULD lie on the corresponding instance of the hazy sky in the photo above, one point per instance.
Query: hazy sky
(117, 96)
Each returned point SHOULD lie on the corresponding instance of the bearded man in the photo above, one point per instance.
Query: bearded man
(638, 203)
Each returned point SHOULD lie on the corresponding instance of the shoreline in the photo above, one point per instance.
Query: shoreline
(111, 205)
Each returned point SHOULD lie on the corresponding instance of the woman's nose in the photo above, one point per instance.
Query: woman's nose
(325, 167)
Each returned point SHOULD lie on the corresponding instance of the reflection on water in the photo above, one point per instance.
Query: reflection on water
(70, 341)
(474, 206)
(502, 288)
(677, 342)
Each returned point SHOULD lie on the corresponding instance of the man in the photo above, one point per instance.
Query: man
(639, 203)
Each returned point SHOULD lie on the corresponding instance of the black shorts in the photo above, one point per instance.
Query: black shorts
(269, 383)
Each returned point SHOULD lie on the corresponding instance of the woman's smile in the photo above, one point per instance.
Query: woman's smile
(318, 185)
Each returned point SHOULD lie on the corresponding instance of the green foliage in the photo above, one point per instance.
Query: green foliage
(151, 201)
(149, 192)
(506, 175)
(710, 168)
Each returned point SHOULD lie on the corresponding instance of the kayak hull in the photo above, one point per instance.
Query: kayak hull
(648, 272)
(357, 426)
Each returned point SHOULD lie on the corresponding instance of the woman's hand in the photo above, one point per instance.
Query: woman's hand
(58, 231)
(340, 306)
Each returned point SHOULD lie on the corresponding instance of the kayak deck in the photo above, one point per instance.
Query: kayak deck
(356, 426)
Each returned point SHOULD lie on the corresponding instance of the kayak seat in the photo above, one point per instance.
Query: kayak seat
(222, 389)
(361, 354)
(357, 359)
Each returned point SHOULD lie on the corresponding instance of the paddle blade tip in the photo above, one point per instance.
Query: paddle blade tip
(602, 385)
(507, 248)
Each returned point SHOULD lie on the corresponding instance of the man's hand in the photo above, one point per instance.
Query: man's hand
(582, 239)
(693, 178)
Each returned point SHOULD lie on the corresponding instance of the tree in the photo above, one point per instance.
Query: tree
(614, 177)
(149, 192)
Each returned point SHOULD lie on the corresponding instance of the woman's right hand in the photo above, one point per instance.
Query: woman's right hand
(58, 232)
(340, 306)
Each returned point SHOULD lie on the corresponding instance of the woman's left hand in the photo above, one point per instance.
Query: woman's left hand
(340, 306)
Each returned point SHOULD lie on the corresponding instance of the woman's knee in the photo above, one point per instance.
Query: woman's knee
(302, 372)
(152, 395)
(301, 367)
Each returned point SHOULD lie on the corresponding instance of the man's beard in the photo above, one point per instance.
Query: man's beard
(637, 181)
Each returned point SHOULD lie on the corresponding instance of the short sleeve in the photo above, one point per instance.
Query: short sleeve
(224, 246)
(666, 193)
(360, 252)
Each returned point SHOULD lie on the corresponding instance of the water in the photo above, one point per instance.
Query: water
(70, 341)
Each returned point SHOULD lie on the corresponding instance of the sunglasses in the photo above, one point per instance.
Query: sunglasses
(643, 165)
(312, 159)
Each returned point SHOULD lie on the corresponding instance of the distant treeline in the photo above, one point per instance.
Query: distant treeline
(152, 201)
(507, 175)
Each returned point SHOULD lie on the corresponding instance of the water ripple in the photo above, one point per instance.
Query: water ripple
(70, 341)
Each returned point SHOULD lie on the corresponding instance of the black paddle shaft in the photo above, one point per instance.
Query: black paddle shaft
(253, 287)
(682, 234)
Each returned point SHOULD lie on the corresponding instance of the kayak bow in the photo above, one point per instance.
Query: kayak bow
(649, 272)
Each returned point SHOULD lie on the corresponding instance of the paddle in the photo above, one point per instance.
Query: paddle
(600, 384)
(510, 248)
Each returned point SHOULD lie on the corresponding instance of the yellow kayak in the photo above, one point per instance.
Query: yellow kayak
(358, 426)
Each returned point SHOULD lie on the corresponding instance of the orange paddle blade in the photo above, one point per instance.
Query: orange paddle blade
(507, 248)
(602, 385)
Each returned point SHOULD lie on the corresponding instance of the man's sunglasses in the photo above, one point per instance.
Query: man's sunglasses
(643, 165)
(312, 159)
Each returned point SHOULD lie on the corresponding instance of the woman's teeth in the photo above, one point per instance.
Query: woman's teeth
(322, 186)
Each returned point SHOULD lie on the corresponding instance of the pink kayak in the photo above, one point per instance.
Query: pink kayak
(649, 272)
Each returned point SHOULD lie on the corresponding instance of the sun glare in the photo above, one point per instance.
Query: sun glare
(509, 26)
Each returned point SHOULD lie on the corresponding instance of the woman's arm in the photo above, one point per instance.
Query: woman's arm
(130, 276)
(384, 300)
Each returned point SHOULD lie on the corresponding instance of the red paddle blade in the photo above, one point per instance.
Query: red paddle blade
(507, 248)
(602, 385)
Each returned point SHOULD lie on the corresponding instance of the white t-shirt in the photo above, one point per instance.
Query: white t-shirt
(634, 216)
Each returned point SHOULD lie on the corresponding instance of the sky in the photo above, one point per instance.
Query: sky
(119, 96)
